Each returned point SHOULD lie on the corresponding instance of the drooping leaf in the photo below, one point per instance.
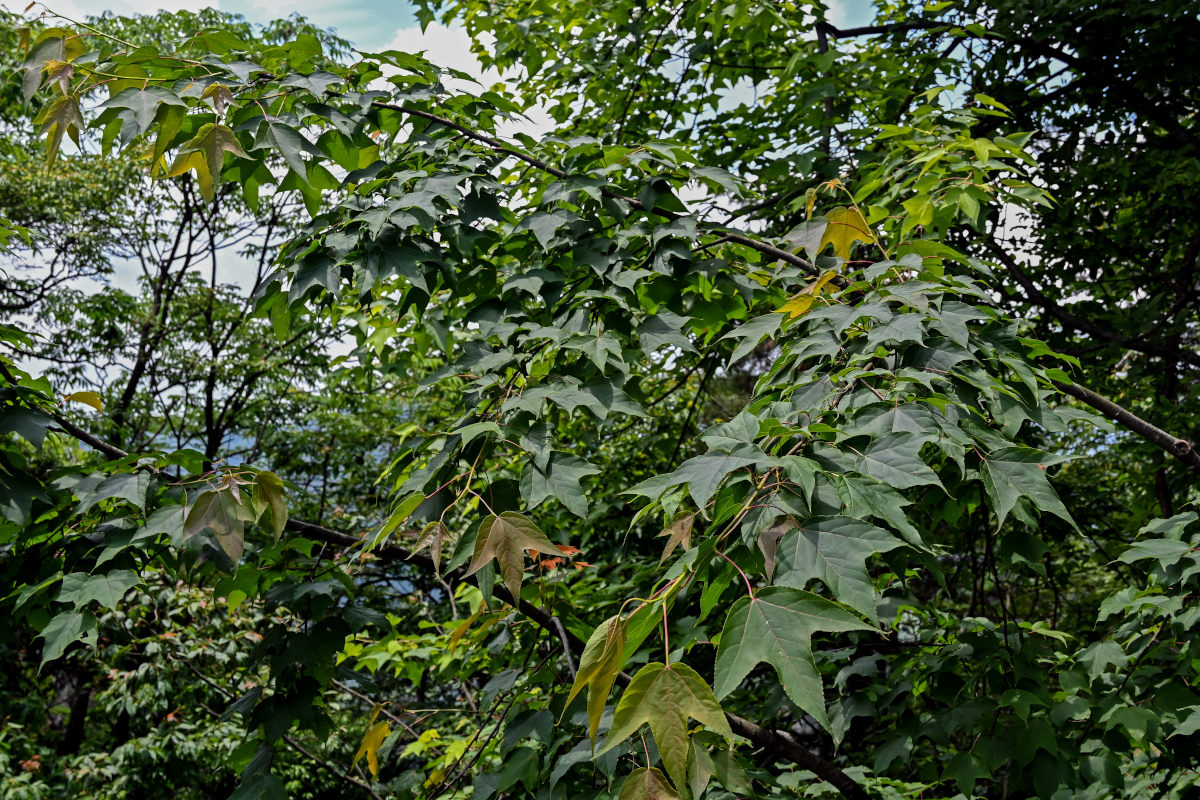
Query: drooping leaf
(59, 117)
(704, 763)
(87, 398)
(665, 697)
(846, 226)
(434, 537)
(219, 512)
(205, 153)
(803, 302)
(268, 496)
(400, 514)
(506, 538)
(371, 742)
(776, 626)
(601, 662)
(647, 783)
(678, 533)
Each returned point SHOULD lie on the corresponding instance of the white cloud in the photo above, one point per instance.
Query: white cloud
(446, 47)
(837, 13)
(451, 48)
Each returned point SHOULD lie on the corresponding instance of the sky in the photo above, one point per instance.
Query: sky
(369, 24)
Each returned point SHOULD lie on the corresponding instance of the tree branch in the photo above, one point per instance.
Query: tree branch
(871, 30)
(1082, 325)
(1180, 448)
(500, 146)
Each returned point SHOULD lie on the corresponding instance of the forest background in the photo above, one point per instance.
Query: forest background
(738, 401)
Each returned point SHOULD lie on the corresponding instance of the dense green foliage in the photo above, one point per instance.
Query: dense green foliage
(724, 441)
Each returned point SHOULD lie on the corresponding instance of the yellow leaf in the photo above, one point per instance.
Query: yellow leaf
(810, 200)
(58, 117)
(820, 283)
(194, 160)
(371, 742)
(803, 301)
(90, 398)
(205, 153)
(462, 629)
(846, 226)
(797, 306)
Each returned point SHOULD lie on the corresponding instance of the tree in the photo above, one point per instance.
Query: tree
(790, 423)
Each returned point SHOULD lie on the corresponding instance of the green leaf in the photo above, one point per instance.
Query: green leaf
(128, 486)
(965, 769)
(27, 423)
(703, 474)
(1010, 473)
(808, 236)
(219, 512)
(269, 496)
(665, 329)
(894, 460)
(864, 497)
(287, 141)
(63, 630)
(144, 104)
(647, 783)
(506, 538)
(1166, 551)
(834, 551)
(560, 480)
(205, 153)
(545, 225)
(106, 589)
(58, 117)
(751, 333)
(601, 662)
(776, 626)
(665, 697)
(703, 765)
(400, 514)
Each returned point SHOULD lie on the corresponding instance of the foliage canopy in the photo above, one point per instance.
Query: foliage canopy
(740, 398)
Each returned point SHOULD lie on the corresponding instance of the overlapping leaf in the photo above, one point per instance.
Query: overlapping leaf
(834, 551)
(601, 662)
(665, 697)
(507, 538)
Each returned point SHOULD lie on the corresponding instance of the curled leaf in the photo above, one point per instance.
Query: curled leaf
(87, 398)
(371, 742)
